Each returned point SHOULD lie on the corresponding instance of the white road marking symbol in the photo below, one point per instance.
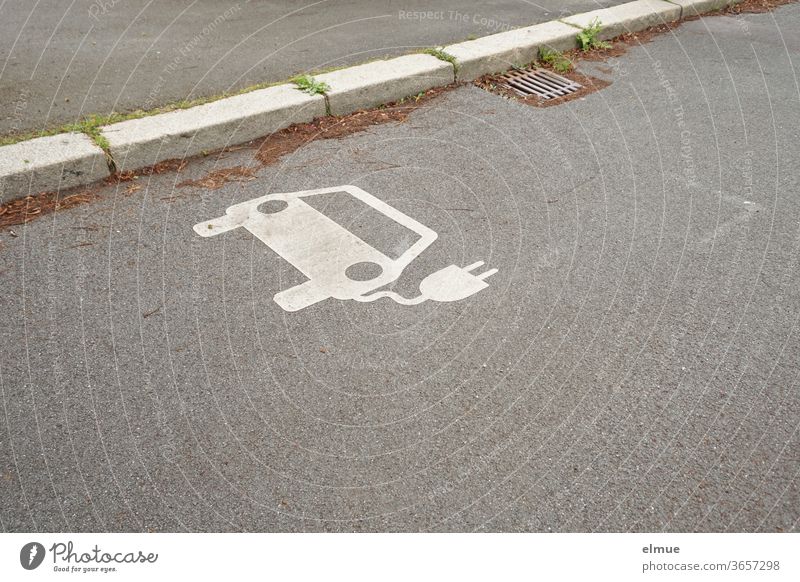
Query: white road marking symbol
(323, 250)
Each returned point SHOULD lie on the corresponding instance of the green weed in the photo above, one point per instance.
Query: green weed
(442, 56)
(587, 37)
(310, 85)
(556, 59)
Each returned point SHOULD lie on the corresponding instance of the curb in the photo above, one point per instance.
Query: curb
(504, 50)
(143, 142)
(379, 82)
(54, 162)
(73, 159)
(630, 17)
(699, 7)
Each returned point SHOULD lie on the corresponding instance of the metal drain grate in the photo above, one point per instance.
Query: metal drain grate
(539, 82)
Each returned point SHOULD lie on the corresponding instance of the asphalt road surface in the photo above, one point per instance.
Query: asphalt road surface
(60, 61)
(631, 366)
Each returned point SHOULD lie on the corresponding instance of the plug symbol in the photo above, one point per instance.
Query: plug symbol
(453, 283)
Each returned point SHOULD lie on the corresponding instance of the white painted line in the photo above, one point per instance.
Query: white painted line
(49, 163)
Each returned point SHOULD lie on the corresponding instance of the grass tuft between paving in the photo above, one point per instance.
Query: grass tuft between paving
(443, 55)
(310, 85)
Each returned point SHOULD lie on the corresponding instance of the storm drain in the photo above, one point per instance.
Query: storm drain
(539, 82)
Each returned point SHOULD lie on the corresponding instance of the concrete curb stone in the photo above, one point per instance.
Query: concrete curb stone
(50, 163)
(502, 51)
(72, 159)
(143, 142)
(384, 81)
(629, 17)
(698, 7)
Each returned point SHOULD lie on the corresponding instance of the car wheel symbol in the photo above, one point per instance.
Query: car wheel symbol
(363, 271)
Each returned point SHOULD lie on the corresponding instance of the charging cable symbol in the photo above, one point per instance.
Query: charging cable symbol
(326, 252)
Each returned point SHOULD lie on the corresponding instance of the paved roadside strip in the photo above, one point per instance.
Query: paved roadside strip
(68, 160)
